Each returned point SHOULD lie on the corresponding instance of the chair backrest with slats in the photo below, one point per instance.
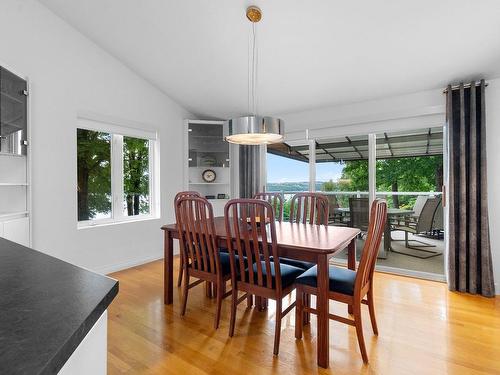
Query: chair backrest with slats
(247, 221)
(309, 208)
(378, 218)
(358, 213)
(275, 200)
(182, 194)
(197, 236)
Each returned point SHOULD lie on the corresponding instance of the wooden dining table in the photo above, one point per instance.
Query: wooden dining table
(307, 242)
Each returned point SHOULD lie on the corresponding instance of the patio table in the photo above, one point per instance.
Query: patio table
(392, 213)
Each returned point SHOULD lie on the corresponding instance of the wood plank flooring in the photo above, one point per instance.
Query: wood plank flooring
(424, 329)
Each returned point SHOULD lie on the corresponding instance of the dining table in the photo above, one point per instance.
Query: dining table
(306, 242)
(392, 214)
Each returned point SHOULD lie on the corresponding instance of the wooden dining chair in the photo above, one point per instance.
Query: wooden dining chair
(275, 200)
(251, 233)
(348, 286)
(201, 256)
(178, 196)
(309, 208)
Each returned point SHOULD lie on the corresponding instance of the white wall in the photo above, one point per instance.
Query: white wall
(69, 74)
(426, 108)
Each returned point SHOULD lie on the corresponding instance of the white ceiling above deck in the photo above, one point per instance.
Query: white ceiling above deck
(311, 54)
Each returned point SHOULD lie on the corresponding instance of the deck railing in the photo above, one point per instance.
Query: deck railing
(360, 194)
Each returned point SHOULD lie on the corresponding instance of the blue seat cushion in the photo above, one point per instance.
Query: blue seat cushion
(225, 262)
(341, 280)
(288, 274)
(297, 263)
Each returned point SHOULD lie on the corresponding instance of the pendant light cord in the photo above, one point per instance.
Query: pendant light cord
(252, 72)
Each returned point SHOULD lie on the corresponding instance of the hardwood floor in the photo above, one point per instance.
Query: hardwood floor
(423, 329)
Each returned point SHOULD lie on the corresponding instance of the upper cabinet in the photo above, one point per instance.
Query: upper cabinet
(207, 147)
(13, 113)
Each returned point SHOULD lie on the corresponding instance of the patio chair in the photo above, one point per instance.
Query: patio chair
(334, 216)
(358, 213)
(438, 223)
(422, 225)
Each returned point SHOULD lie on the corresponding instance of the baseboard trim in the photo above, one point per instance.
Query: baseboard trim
(128, 264)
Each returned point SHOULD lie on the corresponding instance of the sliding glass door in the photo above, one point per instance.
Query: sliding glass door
(404, 167)
(409, 176)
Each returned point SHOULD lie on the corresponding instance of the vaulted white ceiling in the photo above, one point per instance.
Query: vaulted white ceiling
(311, 53)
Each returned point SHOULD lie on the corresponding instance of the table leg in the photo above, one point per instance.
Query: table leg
(387, 239)
(351, 262)
(168, 269)
(322, 311)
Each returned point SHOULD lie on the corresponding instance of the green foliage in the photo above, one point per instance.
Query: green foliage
(94, 173)
(394, 175)
(136, 175)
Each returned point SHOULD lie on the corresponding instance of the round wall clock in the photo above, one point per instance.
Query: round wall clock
(208, 175)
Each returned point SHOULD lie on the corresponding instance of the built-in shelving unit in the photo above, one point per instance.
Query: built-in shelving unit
(14, 161)
(207, 149)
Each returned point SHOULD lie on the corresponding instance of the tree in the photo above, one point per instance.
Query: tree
(422, 173)
(136, 174)
(94, 173)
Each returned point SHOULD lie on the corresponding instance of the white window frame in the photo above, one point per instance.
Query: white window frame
(117, 133)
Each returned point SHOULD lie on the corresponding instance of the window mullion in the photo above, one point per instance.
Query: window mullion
(117, 176)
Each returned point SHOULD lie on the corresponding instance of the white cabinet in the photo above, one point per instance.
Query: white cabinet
(14, 158)
(206, 150)
(17, 230)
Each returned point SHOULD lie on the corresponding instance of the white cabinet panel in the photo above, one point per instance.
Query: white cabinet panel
(1, 229)
(17, 230)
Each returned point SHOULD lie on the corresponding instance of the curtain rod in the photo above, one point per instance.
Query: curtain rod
(466, 86)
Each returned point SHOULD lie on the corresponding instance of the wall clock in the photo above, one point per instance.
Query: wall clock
(208, 175)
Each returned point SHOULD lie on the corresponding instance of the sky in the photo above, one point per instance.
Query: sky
(280, 169)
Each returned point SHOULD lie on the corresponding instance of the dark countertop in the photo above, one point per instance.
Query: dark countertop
(47, 306)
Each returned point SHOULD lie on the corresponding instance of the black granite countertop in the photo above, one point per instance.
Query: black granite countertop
(47, 306)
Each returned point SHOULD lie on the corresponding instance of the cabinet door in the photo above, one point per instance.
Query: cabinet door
(13, 113)
(207, 147)
(17, 230)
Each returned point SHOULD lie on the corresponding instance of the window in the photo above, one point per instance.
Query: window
(115, 168)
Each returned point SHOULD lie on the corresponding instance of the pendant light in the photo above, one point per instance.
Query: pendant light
(254, 129)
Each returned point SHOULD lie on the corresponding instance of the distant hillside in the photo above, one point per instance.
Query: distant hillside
(291, 186)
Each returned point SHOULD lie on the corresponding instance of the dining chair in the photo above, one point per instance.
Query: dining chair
(275, 200)
(201, 256)
(309, 208)
(348, 286)
(178, 196)
(251, 233)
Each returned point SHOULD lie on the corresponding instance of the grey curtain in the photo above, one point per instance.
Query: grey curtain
(249, 171)
(470, 264)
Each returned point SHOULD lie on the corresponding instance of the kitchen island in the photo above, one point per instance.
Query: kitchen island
(52, 314)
